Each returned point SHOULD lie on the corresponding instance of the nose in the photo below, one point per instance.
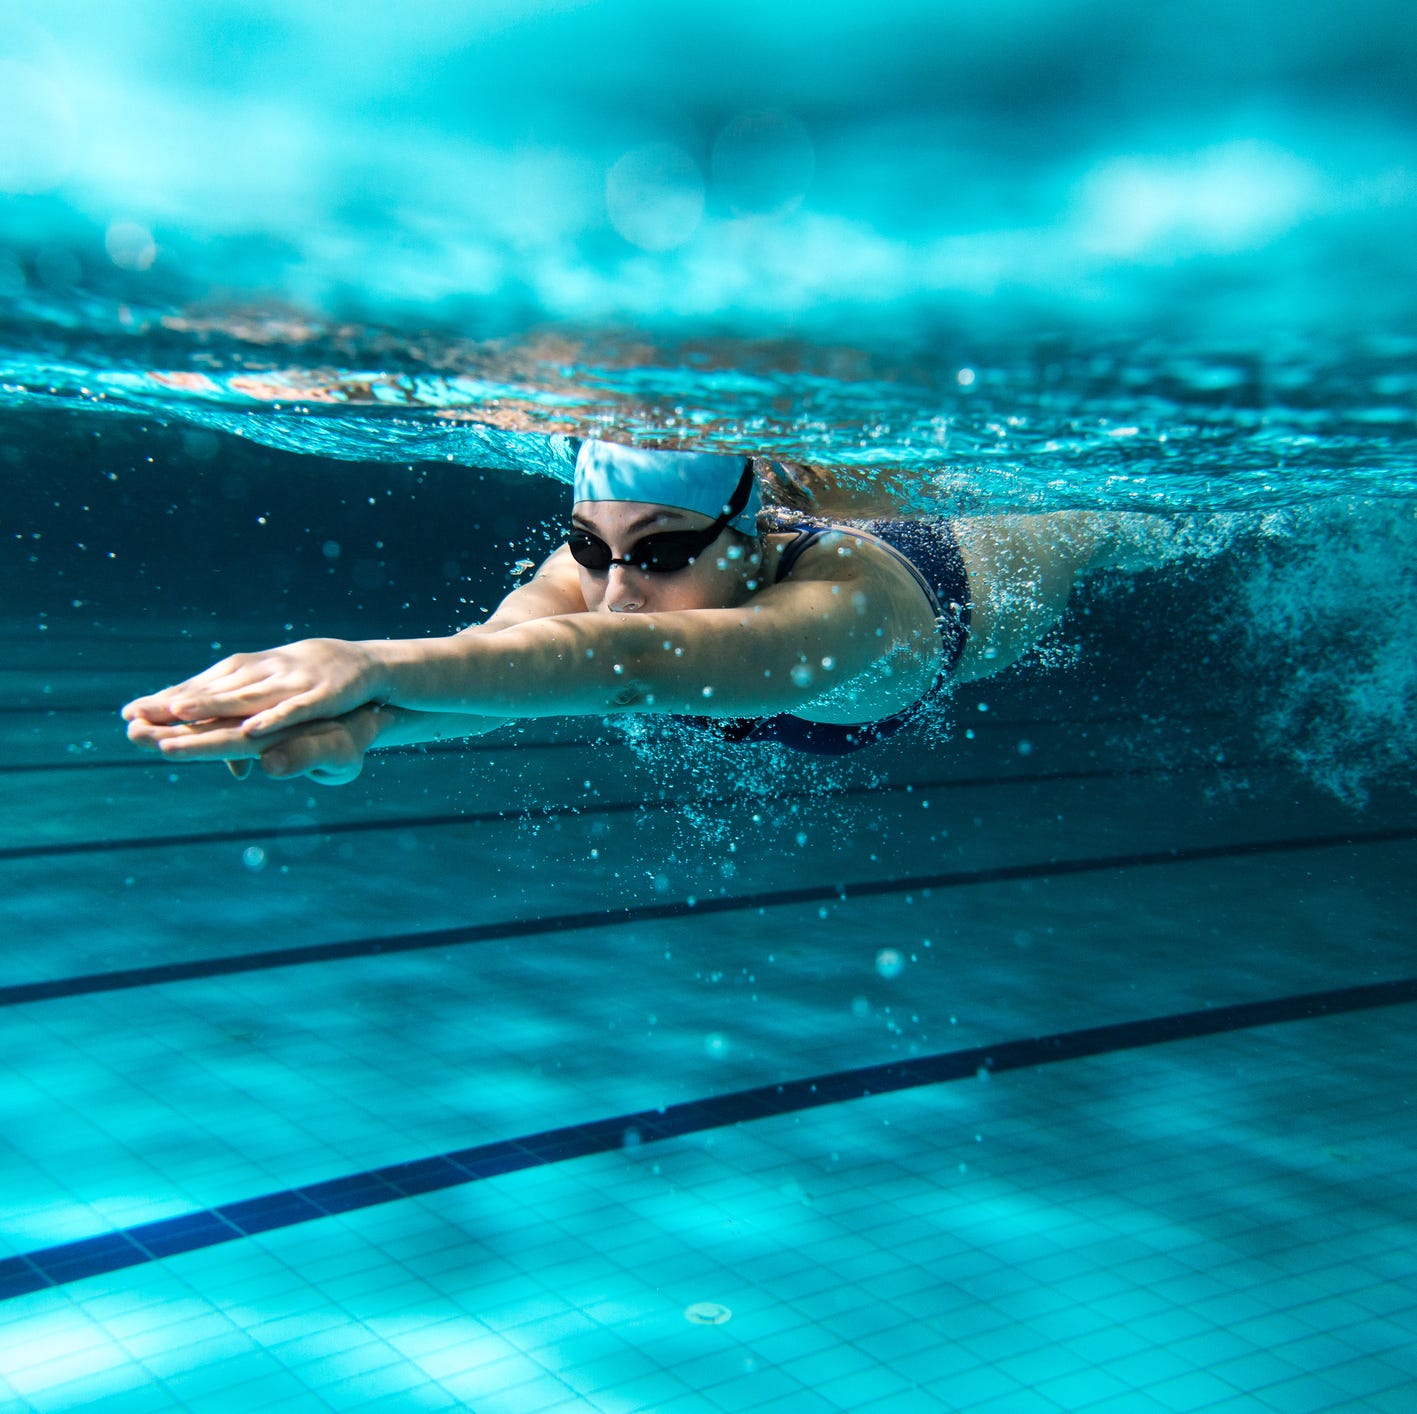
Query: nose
(624, 590)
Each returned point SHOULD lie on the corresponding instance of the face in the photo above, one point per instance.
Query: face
(718, 578)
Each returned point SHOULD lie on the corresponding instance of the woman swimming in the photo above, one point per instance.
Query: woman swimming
(675, 593)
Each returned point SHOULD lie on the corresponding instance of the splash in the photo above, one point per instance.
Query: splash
(1329, 605)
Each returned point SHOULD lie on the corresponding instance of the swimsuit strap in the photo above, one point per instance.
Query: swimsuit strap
(929, 553)
(803, 538)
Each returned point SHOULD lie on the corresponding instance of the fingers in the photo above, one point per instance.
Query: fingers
(220, 740)
(236, 696)
(235, 687)
(274, 689)
(153, 708)
(306, 707)
(222, 744)
(159, 706)
(325, 752)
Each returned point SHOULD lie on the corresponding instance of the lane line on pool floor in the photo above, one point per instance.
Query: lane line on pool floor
(211, 1227)
(251, 834)
(231, 964)
(148, 762)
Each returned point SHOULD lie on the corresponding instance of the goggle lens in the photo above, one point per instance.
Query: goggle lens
(655, 554)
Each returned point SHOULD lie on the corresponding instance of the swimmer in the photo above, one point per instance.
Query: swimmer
(676, 592)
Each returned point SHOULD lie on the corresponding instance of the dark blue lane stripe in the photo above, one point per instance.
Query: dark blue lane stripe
(250, 833)
(191, 1232)
(150, 763)
(469, 747)
(124, 979)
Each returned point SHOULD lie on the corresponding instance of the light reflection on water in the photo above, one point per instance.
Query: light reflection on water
(1037, 424)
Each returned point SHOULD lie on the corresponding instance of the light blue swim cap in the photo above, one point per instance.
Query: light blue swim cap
(688, 481)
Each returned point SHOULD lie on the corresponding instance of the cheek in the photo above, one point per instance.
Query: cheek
(699, 587)
(592, 590)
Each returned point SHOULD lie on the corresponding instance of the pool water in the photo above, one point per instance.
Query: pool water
(1054, 1056)
(1058, 1060)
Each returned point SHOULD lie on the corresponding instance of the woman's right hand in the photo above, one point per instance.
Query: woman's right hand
(315, 679)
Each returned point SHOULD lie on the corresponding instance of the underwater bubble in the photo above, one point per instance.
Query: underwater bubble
(716, 1044)
(130, 246)
(889, 963)
(631, 1138)
(1025, 747)
(330, 549)
(707, 1313)
(802, 675)
(860, 1007)
(254, 857)
(654, 196)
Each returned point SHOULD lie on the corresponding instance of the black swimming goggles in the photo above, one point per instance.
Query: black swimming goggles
(667, 550)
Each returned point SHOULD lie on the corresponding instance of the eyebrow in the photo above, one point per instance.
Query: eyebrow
(639, 522)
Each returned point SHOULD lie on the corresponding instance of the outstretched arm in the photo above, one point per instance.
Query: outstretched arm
(786, 646)
(329, 747)
(335, 674)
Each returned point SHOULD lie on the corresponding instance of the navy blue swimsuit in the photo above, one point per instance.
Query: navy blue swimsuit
(931, 553)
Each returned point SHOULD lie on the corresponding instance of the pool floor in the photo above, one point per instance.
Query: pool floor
(543, 1074)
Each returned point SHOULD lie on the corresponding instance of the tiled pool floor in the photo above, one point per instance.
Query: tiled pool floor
(1221, 1222)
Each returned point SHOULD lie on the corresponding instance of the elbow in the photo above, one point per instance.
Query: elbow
(630, 688)
(632, 696)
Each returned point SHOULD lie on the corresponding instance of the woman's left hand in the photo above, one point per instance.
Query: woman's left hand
(314, 679)
(330, 752)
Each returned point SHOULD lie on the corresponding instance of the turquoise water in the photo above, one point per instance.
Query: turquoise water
(1054, 1057)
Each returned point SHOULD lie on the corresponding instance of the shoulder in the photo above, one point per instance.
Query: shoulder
(832, 552)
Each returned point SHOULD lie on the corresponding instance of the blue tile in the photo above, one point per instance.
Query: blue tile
(271, 1210)
(19, 1278)
(423, 1175)
(187, 1233)
(343, 1195)
(75, 1260)
(490, 1165)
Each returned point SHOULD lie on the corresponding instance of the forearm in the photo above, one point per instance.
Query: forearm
(390, 726)
(581, 664)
